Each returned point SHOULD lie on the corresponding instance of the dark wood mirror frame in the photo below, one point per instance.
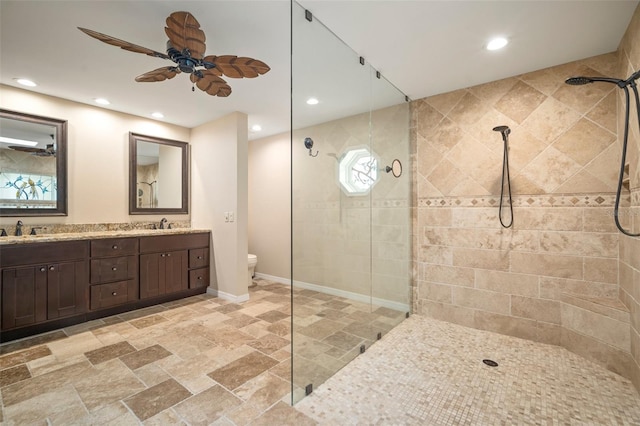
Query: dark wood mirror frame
(61, 165)
(134, 138)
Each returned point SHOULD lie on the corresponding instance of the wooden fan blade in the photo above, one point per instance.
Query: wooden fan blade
(238, 67)
(26, 148)
(160, 74)
(211, 84)
(184, 32)
(123, 44)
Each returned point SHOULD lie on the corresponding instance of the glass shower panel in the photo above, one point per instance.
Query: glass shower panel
(390, 206)
(332, 176)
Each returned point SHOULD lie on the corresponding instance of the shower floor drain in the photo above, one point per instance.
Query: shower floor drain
(490, 362)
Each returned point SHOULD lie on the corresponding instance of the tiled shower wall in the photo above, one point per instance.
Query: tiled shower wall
(629, 61)
(526, 281)
(355, 244)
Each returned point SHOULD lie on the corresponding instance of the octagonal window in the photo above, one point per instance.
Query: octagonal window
(357, 171)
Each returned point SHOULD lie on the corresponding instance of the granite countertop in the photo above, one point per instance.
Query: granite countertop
(47, 238)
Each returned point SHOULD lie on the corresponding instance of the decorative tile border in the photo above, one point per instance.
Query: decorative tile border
(573, 200)
(635, 197)
(354, 204)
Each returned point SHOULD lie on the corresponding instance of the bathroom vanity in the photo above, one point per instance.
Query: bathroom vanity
(57, 280)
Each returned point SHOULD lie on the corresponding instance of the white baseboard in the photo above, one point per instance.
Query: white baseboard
(285, 281)
(227, 296)
(396, 306)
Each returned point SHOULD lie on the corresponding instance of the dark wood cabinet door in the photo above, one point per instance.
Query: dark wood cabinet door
(176, 270)
(151, 275)
(24, 296)
(67, 289)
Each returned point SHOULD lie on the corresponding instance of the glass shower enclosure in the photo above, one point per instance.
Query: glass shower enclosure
(350, 200)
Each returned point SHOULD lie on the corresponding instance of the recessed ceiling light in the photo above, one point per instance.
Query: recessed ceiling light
(13, 141)
(312, 101)
(256, 128)
(497, 43)
(25, 82)
(102, 101)
(157, 115)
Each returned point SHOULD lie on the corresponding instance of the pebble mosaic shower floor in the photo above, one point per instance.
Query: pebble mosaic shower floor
(428, 372)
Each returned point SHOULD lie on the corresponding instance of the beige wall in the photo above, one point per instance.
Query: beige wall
(357, 244)
(270, 204)
(219, 185)
(98, 156)
(553, 276)
(629, 62)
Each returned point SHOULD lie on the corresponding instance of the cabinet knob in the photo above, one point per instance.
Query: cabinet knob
(168, 254)
(200, 278)
(43, 269)
(162, 255)
(114, 269)
(199, 257)
(115, 247)
(52, 268)
(114, 294)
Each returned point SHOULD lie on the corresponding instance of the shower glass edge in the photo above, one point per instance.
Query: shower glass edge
(350, 219)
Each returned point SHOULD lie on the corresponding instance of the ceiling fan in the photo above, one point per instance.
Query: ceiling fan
(49, 151)
(186, 47)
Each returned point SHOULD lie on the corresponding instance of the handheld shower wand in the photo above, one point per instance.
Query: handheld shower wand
(505, 130)
(624, 85)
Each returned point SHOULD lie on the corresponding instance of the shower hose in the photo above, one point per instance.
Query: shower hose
(505, 175)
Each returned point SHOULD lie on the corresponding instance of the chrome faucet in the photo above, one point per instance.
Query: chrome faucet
(162, 222)
(33, 230)
(19, 228)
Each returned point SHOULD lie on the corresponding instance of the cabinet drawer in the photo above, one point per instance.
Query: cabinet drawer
(199, 278)
(198, 257)
(113, 269)
(37, 253)
(160, 243)
(114, 247)
(107, 295)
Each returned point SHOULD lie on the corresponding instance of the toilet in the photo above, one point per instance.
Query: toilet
(253, 260)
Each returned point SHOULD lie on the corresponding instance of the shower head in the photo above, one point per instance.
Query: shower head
(580, 81)
(308, 143)
(505, 130)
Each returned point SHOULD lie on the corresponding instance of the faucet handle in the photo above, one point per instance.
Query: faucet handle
(3, 233)
(33, 230)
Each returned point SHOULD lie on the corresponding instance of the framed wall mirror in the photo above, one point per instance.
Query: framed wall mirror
(33, 165)
(158, 175)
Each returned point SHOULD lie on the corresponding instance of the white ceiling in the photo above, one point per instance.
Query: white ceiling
(422, 47)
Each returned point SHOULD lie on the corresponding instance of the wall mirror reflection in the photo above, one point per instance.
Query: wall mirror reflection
(33, 165)
(158, 175)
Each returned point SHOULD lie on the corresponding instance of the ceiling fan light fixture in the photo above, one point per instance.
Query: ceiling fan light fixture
(497, 43)
(25, 82)
(102, 101)
(313, 101)
(157, 115)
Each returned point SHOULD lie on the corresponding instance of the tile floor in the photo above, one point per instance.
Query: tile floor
(194, 361)
(428, 372)
(205, 361)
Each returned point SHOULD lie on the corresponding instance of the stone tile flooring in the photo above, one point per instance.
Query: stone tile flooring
(206, 361)
(428, 372)
(194, 361)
